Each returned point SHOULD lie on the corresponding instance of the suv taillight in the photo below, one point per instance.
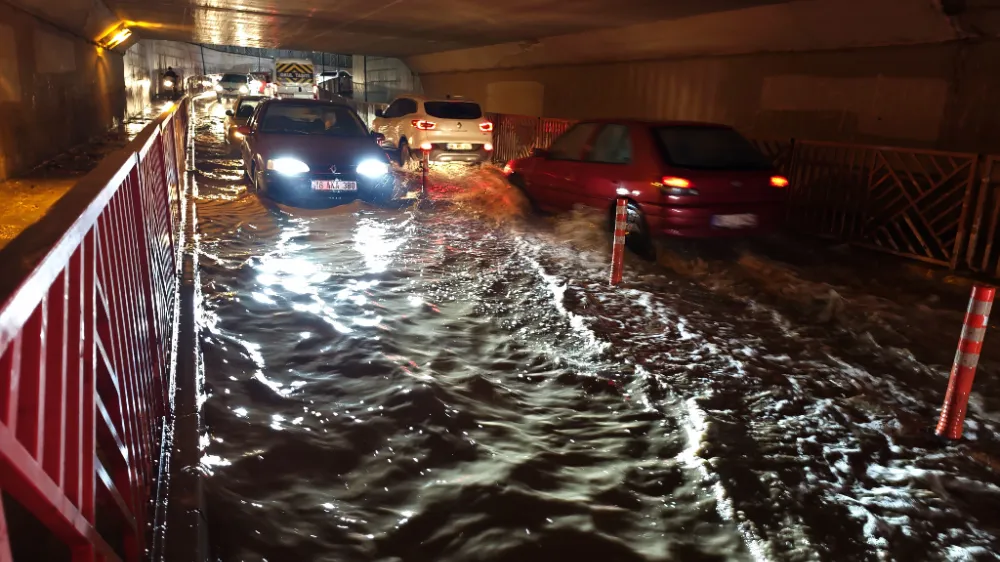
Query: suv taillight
(486, 127)
(424, 125)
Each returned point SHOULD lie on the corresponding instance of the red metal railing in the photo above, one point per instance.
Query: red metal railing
(87, 313)
(515, 135)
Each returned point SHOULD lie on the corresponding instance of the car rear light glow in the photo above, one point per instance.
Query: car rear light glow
(426, 146)
(487, 147)
(486, 127)
(678, 183)
(423, 124)
(779, 181)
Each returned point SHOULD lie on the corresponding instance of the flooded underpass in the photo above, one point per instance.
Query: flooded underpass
(458, 382)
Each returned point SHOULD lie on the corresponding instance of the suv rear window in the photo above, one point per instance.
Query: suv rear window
(233, 78)
(709, 148)
(453, 109)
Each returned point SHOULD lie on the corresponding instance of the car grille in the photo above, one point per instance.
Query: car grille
(346, 173)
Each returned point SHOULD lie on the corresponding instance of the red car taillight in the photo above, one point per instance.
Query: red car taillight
(424, 125)
(486, 127)
(672, 185)
(676, 183)
(779, 181)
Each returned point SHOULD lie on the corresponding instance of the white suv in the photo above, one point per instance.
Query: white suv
(451, 129)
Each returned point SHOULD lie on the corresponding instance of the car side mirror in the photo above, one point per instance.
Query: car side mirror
(379, 138)
(245, 131)
(379, 113)
(539, 153)
(229, 112)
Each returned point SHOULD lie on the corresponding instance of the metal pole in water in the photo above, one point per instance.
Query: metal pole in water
(618, 247)
(956, 400)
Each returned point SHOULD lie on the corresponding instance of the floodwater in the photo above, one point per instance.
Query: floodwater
(458, 382)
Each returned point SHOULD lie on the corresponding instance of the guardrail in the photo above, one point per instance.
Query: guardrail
(87, 332)
(909, 202)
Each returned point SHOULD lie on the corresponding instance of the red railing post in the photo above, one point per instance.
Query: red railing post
(86, 313)
(618, 246)
(956, 400)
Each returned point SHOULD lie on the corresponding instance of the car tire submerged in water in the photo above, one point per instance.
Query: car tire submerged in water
(638, 239)
(404, 154)
(516, 180)
(259, 183)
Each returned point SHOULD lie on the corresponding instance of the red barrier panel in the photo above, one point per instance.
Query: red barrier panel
(87, 313)
(618, 246)
(956, 400)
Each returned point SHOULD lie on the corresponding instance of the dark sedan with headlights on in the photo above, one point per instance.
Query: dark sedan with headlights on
(309, 152)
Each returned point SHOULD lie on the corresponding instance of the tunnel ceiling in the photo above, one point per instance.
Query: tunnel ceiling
(397, 28)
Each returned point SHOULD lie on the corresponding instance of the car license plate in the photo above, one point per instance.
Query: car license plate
(459, 146)
(746, 220)
(334, 185)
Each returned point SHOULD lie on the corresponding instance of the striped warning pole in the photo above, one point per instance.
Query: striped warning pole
(956, 400)
(618, 247)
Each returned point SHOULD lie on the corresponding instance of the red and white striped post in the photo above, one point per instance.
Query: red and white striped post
(618, 247)
(956, 400)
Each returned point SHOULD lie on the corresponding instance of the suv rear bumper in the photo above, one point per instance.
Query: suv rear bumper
(441, 154)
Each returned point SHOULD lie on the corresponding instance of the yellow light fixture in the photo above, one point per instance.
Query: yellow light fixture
(116, 37)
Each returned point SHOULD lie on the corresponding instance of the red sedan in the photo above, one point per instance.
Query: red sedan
(680, 178)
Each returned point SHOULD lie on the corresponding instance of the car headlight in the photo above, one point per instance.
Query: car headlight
(244, 90)
(288, 166)
(372, 168)
(218, 87)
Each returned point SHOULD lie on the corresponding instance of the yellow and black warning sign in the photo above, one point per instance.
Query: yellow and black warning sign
(294, 72)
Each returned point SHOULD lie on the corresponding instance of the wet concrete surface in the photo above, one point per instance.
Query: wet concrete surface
(27, 199)
(456, 381)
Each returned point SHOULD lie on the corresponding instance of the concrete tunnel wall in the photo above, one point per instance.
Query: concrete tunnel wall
(57, 90)
(941, 95)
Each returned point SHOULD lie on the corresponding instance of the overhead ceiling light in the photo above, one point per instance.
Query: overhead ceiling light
(118, 36)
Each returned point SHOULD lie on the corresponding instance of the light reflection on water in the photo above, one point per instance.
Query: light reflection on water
(412, 385)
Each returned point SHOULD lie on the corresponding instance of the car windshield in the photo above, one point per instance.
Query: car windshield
(312, 119)
(709, 148)
(453, 109)
(233, 78)
(246, 108)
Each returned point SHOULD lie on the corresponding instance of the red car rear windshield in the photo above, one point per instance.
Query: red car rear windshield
(709, 148)
(453, 109)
